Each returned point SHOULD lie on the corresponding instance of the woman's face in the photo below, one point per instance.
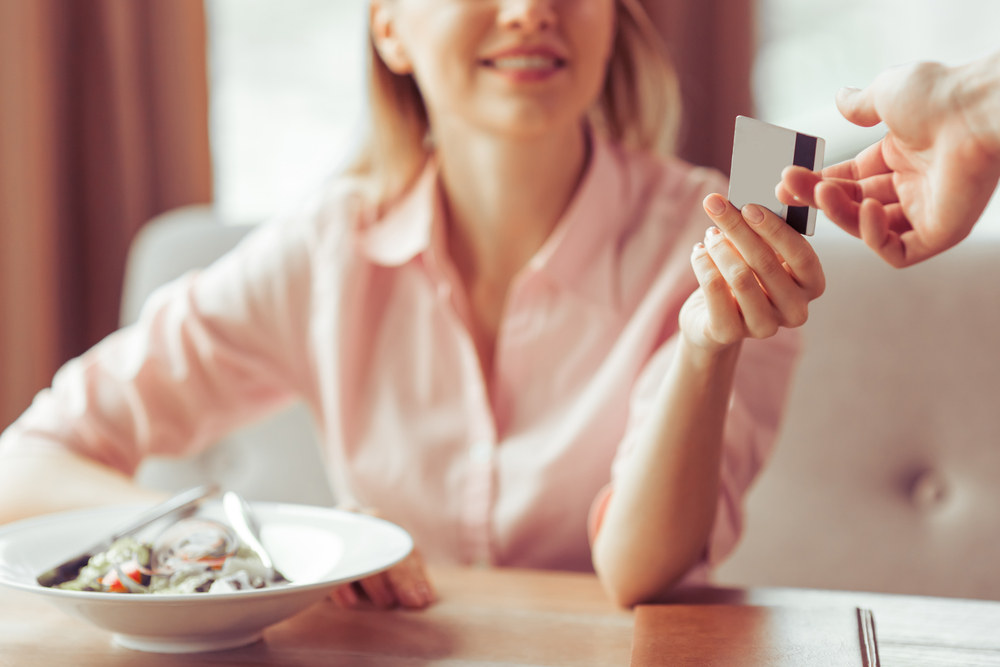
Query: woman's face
(516, 67)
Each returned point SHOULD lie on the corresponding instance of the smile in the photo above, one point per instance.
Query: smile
(525, 63)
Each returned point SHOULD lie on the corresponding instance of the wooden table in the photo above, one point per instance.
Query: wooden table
(498, 617)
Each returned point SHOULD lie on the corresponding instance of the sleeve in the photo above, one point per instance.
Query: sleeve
(211, 350)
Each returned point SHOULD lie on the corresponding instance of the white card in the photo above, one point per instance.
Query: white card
(760, 152)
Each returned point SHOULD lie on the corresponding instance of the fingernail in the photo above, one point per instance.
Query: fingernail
(846, 93)
(698, 249)
(426, 592)
(385, 599)
(715, 205)
(753, 214)
(346, 596)
(410, 597)
(713, 235)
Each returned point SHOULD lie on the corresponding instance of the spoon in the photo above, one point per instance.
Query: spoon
(245, 524)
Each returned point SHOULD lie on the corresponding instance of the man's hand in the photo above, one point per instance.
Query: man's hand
(920, 189)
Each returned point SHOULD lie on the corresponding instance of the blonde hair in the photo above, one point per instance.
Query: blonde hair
(639, 107)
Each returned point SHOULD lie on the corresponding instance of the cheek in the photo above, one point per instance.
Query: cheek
(442, 47)
(595, 65)
(595, 34)
(596, 21)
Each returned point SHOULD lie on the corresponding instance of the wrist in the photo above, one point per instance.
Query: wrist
(976, 91)
(708, 356)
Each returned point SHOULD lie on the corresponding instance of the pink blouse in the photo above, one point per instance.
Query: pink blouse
(365, 319)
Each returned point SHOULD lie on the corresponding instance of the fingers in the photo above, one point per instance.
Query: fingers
(783, 261)
(898, 245)
(345, 596)
(760, 316)
(858, 106)
(405, 584)
(868, 163)
(410, 583)
(758, 271)
(796, 186)
(725, 321)
(377, 589)
(838, 207)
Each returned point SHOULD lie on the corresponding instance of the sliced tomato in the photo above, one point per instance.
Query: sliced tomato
(113, 584)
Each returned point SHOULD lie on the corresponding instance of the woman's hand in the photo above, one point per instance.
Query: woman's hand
(755, 275)
(405, 584)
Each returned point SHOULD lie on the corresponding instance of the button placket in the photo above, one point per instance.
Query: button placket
(477, 510)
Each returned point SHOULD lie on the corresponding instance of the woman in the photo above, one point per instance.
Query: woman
(491, 310)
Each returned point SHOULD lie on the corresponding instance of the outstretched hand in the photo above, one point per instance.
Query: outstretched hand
(921, 188)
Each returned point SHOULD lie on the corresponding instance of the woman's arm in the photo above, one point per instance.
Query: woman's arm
(755, 277)
(209, 352)
(53, 480)
(658, 520)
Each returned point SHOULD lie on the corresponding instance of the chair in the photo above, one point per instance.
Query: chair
(248, 461)
(886, 475)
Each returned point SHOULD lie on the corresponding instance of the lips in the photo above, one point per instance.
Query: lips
(525, 63)
(525, 60)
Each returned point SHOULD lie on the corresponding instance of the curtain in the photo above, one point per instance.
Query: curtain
(712, 43)
(103, 124)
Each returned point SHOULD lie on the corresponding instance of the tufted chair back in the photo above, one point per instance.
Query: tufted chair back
(886, 476)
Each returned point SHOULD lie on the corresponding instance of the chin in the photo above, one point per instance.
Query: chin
(536, 124)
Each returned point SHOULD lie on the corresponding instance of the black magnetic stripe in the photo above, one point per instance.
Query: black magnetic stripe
(804, 156)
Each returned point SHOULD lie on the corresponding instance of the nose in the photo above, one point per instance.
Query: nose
(528, 15)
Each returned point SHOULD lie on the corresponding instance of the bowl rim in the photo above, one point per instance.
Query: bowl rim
(401, 551)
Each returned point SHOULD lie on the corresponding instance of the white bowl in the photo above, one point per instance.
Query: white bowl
(316, 547)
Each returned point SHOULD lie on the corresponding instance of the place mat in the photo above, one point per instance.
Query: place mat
(751, 636)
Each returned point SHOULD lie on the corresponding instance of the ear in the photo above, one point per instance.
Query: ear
(382, 19)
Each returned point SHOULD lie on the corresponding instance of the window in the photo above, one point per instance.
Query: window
(286, 98)
(808, 50)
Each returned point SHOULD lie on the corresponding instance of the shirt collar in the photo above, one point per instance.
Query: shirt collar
(579, 253)
(404, 231)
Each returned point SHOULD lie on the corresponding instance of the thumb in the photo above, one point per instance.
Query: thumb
(858, 106)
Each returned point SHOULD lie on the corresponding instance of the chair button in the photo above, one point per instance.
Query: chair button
(929, 490)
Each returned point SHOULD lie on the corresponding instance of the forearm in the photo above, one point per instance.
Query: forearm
(658, 520)
(33, 483)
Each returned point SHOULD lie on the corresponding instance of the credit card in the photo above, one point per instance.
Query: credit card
(760, 152)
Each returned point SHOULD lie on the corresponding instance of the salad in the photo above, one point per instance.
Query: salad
(193, 555)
